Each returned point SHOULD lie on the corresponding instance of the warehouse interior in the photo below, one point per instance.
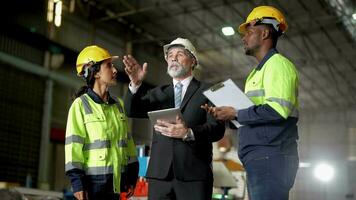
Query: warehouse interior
(40, 40)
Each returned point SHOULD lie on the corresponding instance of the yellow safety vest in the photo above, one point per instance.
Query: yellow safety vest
(97, 139)
(275, 84)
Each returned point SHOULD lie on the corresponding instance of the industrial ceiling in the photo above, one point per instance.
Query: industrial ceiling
(320, 39)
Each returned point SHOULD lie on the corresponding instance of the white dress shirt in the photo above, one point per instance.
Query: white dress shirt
(185, 82)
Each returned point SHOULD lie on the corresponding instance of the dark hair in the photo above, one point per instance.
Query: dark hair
(275, 35)
(89, 79)
(273, 32)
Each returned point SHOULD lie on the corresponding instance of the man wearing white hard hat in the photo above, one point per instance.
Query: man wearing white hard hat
(181, 153)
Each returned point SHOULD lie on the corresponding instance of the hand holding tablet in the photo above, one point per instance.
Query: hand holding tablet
(169, 122)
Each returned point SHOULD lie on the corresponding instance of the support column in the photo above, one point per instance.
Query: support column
(43, 169)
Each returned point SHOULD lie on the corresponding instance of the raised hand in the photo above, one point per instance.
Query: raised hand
(135, 71)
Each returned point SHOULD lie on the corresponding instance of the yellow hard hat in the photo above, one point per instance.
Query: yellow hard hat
(266, 15)
(91, 55)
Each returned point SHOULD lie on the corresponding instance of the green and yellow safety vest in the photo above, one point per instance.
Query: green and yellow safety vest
(271, 124)
(275, 84)
(97, 139)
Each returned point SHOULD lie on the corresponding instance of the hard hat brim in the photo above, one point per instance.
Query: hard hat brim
(80, 66)
(114, 57)
(183, 43)
(167, 46)
(111, 57)
(242, 27)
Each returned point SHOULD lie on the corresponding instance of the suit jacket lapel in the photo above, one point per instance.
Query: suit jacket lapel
(192, 88)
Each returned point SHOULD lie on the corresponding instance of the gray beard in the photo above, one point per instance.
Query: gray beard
(180, 72)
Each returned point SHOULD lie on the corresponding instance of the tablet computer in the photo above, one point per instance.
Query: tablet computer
(169, 114)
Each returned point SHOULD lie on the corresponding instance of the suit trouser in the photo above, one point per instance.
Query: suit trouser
(271, 177)
(172, 189)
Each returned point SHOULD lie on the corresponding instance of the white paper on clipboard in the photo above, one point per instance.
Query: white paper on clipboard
(228, 94)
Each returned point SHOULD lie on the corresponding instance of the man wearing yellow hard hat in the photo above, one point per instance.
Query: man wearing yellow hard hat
(100, 155)
(268, 137)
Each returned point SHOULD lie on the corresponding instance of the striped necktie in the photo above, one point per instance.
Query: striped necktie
(178, 94)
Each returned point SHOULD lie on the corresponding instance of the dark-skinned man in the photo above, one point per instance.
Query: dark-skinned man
(268, 137)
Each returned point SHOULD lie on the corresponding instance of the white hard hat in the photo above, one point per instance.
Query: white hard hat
(184, 43)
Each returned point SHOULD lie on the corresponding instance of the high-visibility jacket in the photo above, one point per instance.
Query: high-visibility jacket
(270, 125)
(97, 139)
(275, 84)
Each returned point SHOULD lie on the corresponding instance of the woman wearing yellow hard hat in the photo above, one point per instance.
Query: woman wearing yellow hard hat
(100, 155)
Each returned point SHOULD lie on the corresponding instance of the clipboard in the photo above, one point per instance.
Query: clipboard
(227, 93)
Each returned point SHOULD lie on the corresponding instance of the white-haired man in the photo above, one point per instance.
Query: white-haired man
(181, 153)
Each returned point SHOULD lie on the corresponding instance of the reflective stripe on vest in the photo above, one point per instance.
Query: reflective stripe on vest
(285, 103)
(74, 139)
(99, 170)
(103, 144)
(122, 143)
(282, 102)
(119, 107)
(98, 144)
(87, 108)
(89, 170)
(73, 165)
(256, 93)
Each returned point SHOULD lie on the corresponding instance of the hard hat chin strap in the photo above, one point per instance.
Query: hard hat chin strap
(86, 72)
(89, 71)
(272, 22)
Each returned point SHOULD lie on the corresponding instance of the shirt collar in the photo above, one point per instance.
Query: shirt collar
(270, 53)
(184, 82)
(95, 97)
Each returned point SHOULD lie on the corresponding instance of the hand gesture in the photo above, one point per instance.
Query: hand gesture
(222, 113)
(135, 71)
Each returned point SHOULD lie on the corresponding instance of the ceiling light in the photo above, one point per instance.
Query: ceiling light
(227, 31)
(354, 16)
(58, 13)
(324, 172)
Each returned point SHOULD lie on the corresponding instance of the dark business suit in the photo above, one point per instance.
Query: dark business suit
(188, 162)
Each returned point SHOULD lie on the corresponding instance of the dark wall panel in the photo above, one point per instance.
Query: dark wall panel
(21, 107)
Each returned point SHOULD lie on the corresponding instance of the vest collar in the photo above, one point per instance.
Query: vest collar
(270, 53)
(95, 97)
